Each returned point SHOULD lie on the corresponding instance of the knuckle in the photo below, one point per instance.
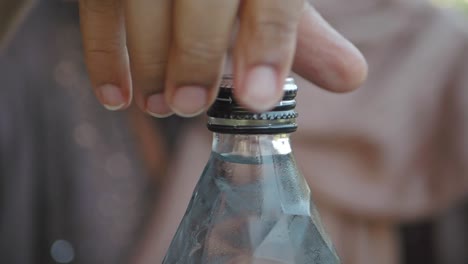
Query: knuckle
(276, 20)
(274, 28)
(206, 51)
(103, 50)
(149, 68)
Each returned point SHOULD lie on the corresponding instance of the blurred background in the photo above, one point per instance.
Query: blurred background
(458, 4)
(79, 184)
(424, 240)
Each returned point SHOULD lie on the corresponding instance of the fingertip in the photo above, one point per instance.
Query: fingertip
(260, 91)
(189, 101)
(326, 58)
(353, 71)
(350, 73)
(358, 72)
(157, 106)
(112, 98)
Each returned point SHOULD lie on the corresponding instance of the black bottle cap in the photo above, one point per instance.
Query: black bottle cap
(227, 116)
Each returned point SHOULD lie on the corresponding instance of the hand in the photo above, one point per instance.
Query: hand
(169, 54)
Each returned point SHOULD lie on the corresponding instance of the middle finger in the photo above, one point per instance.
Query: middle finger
(201, 35)
(148, 37)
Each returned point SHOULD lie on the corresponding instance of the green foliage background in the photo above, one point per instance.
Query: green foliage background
(459, 4)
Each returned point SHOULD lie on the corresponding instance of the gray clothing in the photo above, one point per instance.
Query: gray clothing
(71, 187)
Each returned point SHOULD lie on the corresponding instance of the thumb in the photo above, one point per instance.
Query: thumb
(325, 57)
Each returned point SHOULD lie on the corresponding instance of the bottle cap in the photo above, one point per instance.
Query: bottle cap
(227, 116)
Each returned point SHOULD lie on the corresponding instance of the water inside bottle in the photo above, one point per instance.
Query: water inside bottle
(251, 210)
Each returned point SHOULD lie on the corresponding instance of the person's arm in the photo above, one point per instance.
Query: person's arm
(12, 13)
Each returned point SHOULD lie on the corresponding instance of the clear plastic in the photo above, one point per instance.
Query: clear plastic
(251, 206)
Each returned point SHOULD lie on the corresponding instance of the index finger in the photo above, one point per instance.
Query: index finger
(102, 26)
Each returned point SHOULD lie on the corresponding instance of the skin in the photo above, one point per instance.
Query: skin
(168, 55)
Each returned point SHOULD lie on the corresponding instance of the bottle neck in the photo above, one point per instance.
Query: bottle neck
(251, 145)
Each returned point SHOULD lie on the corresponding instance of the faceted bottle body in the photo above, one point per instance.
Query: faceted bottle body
(251, 205)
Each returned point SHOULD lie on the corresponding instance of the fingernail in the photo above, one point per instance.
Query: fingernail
(189, 101)
(260, 88)
(156, 106)
(111, 97)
